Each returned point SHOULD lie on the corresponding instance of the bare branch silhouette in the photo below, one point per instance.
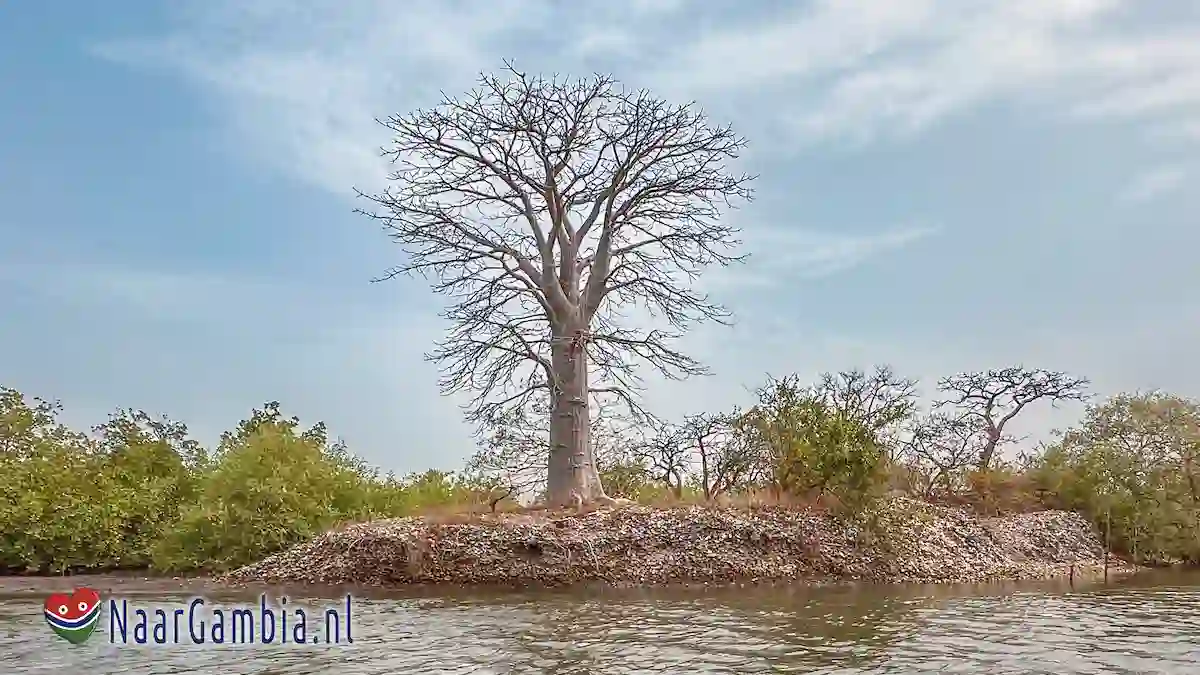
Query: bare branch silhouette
(993, 398)
(665, 453)
(725, 457)
(941, 446)
(546, 210)
(881, 401)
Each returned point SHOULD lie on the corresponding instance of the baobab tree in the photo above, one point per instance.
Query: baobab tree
(991, 399)
(547, 210)
(513, 451)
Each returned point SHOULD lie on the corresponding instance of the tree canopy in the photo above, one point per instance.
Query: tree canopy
(545, 209)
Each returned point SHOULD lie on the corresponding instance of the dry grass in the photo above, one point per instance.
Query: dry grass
(995, 493)
(742, 501)
(750, 499)
(991, 494)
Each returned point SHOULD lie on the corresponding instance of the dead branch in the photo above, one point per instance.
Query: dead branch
(881, 401)
(726, 458)
(993, 398)
(546, 209)
(665, 453)
(941, 446)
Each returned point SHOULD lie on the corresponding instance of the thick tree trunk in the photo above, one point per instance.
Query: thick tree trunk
(572, 476)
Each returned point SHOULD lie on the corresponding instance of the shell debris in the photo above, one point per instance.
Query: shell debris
(638, 545)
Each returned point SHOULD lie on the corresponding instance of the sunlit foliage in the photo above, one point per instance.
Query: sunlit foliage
(139, 493)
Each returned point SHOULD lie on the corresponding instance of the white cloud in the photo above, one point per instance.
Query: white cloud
(1153, 184)
(840, 253)
(813, 39)
(298, 86)
(301, 89)
(301, 84)
(793, 254)
(860, 69)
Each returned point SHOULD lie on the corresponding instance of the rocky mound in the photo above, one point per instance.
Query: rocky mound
(904, 540)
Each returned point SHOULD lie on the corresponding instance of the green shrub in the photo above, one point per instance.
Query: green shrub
(1133, 467)
(812, 448)
(56, 506)
(140, 493)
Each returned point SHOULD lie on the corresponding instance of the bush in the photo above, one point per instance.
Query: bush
(56, 506)
(56, 513)
(139, 493)
(813, 449)
(1001, 490)
(1133, 467)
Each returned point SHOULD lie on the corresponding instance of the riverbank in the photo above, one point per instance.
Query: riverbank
(904, 541)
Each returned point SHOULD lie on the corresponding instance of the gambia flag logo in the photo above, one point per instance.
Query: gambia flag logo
(73, 617)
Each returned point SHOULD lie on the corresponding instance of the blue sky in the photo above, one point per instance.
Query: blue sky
(946, 185)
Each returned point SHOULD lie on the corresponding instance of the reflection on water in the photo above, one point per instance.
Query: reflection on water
(1147, 625)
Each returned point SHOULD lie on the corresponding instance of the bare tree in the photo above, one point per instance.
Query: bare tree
(512, 455)
(614, 434)
(543, 208)
(941, 445)
(880, 400)
(514, 449)
(993, 398)
(666, 455)
(725, 457)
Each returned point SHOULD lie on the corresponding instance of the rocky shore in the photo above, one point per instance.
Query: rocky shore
(904, 541)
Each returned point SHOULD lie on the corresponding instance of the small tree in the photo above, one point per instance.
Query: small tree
(153, 465)
(1131, 465)
(273, 484)
(725, 458)
(812, 448)
(543, 208)
(512, 455)
(941, 447)
(1162, 428)
(880, 400)
(55, 498)
(993, 398)
(665, 454)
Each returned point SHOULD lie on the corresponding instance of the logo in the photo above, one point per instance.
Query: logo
(73, 617)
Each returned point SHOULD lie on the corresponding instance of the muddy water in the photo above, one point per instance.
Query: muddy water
(1147, 624)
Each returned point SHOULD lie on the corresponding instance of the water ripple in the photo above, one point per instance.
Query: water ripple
(1115, 630)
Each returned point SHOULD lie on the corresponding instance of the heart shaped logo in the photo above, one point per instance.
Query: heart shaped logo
(73, 617)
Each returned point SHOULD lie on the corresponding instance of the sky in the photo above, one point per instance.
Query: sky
(945, 185)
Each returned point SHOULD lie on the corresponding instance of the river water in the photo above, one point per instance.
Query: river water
(1147, 624)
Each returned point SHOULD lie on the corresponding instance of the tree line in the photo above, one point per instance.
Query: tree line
(566, 222)
(138, 492)
(1131, 464)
